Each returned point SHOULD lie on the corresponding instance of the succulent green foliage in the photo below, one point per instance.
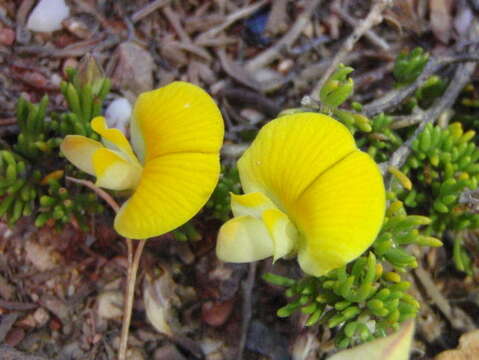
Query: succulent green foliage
(445, 162)
(431, 89)
(219, 203)
(31, 141)
(85, 100)
(187, 232)
(17, 186)
(337, 89)
(62, 205)
(30, 180)
(382, 140)
(362, 301)
(409, 66)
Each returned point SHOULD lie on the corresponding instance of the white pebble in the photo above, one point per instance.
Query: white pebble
(118, 114)
(48, 15)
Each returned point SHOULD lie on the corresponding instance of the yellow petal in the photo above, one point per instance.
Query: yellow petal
(172, 189)
(340, 214)
(180, 117)
(114, 172)
(243, 239)
(252, 204)
(112, 136)
(79, 151)
(290, 152)
(282, 231)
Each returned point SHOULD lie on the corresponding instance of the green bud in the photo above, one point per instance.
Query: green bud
(278, 280)
(42, 219)
(314, 318)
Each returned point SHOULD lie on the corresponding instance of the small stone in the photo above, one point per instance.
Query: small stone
(285, 65)
(216, 313)
(41, 256)
(134, 354)
(48, 15)
(134, 71)
(14, 336)
(252, 116)
(110, 305)
(41, 317)
(118, 114)
(82, 26)
(168, 352)
(7, 36)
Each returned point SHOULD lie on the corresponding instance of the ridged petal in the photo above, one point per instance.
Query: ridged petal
(79, 151)
(180, 117)
(172, 189)
(243, 239)
(112, 137)
(113, 171)
(252, 204)
(290, 152)
(340, 214)
(282, 231)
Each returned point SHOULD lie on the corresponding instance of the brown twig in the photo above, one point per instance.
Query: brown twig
(17, 306)
(148, 9)
(278, 17)
(269, 55)
(248, 285)
(458, 319)
(230, 19)
(251, 98)
(369, 34)
(78, 49)
(374, 17)
(8, 121)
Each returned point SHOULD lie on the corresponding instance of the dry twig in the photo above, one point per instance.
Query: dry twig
(148, 9)
(456, 317)
(248, 286)
(374, 17)
(274, 52)
(369, 34)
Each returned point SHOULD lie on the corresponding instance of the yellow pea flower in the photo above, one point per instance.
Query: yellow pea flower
(309, 191)
(172, 165)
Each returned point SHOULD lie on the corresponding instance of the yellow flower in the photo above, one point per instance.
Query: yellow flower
(171, 167)
(308, 191)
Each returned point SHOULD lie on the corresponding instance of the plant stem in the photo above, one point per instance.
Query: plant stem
(133, 263)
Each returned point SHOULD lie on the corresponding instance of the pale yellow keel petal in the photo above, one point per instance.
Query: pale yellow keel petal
(172, 189)
(340, 214)
(114, 172)
(179, 117)
(290, 152)
(79, 151)
(112, 136)
(243, 239)
(252, 204)
(282, 231)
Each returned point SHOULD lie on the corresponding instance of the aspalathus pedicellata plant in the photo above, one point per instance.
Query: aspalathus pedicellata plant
(169, 170)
